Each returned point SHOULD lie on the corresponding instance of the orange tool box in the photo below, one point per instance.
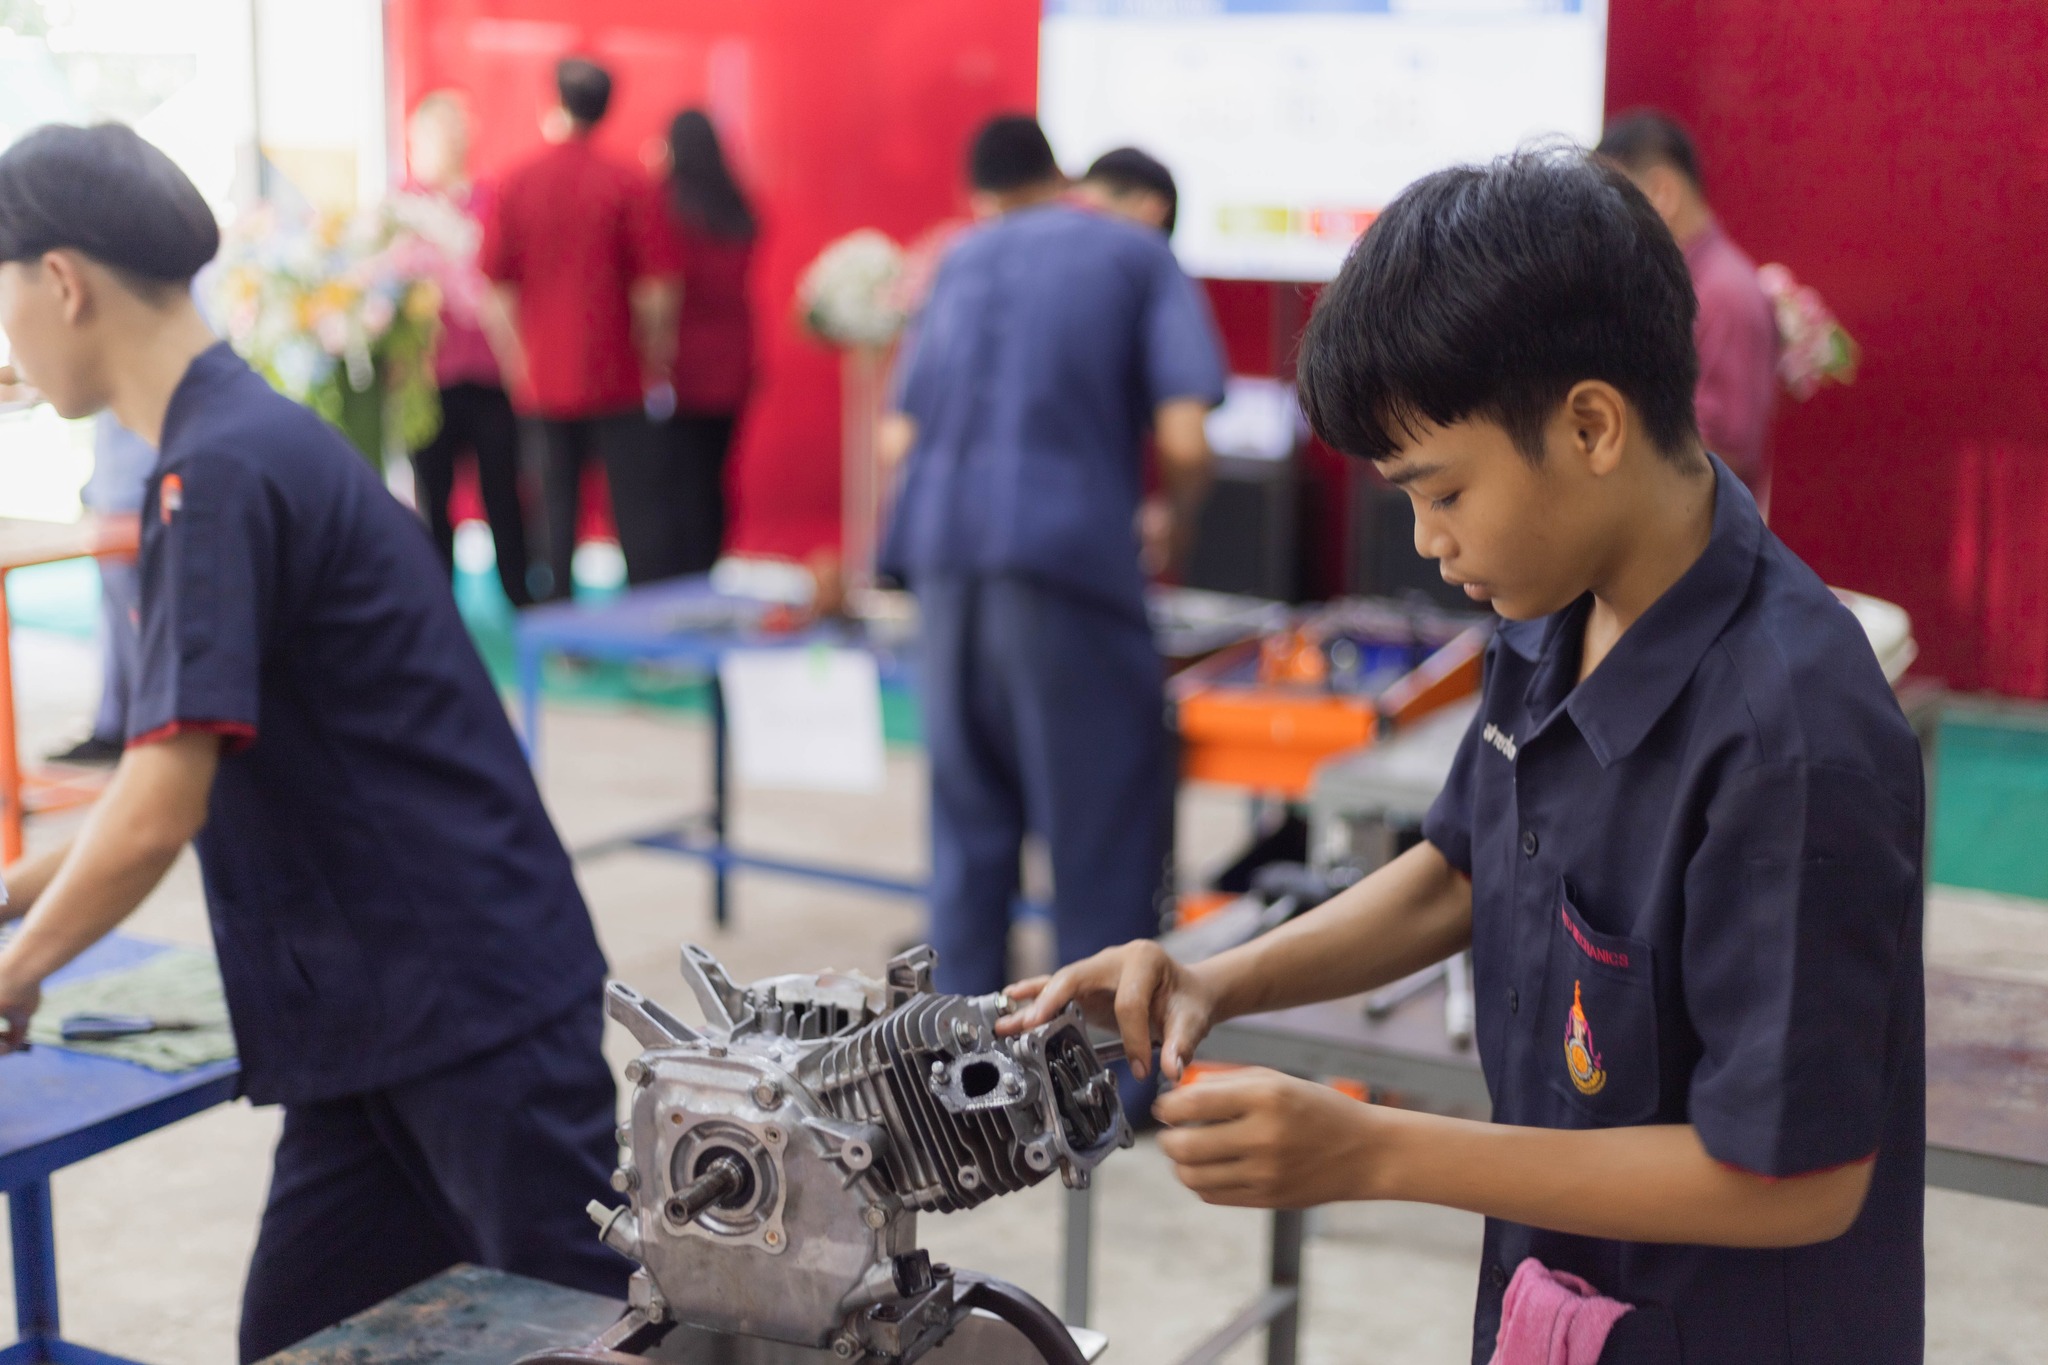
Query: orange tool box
(1265, 715)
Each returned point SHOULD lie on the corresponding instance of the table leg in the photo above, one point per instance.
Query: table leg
(1079, 1268)
(35, 1263)
(1283, 1338)
(529, 666)
(10, 755)
(720, 782)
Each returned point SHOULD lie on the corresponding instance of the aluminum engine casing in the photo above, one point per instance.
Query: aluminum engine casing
(852, 1105)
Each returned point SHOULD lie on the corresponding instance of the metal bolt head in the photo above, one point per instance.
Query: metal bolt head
(938, 1071)
(636, 1071)
(1013, 1085)
(714, 1049)
(625, 1179)
(875, 1216)
(844, 1348)
(768, 1094)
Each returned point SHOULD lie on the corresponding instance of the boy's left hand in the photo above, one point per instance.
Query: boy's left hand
(1261, 1139)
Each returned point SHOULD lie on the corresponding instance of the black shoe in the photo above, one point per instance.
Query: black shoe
(91, 752)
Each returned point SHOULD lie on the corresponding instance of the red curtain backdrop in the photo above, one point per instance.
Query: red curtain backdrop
(1894, 155)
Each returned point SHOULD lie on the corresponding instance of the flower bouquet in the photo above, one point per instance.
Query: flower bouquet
(848, 296)
(342, 312)
(1813, 348)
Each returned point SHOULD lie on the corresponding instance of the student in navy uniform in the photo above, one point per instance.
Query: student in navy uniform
(1053, 337)
(409, 965)
(1682, 837)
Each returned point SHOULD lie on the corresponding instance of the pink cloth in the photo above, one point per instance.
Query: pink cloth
(1736, 334)
(1551, 1318)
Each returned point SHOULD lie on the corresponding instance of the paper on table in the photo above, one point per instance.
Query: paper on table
(807, 719)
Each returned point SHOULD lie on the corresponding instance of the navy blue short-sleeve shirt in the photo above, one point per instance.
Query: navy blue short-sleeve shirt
(1696, 898)
(388, 895)
(1051, 337)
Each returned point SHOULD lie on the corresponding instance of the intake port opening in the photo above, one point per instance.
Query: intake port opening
(980, 1078)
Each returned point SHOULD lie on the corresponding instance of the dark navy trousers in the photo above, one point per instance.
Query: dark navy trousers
(1043, 712)
(490, 1161)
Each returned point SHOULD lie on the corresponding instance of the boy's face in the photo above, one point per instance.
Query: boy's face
(1524, 537)
(44, 312)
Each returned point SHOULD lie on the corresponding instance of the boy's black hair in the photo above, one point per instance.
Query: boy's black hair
(585, 88)
(1643, 138)
(1488, 292)
(1126, 169)
(105, 192)
(1009, 153)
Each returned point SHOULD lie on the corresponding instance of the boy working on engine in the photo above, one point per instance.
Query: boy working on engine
(1682, 838)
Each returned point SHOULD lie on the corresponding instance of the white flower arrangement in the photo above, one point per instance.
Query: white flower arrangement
(848, 296)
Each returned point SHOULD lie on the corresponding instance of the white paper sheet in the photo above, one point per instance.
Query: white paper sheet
(804, 719)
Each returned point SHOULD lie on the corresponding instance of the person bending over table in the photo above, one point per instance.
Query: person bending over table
(1681, 839)
(1054, 337)
(409, 964)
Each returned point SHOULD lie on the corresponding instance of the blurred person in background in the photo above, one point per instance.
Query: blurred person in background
(1132, 184)
(584, 261)
(477, 347)
(1736, 332)
(1053, 337)
(714, 361)
(121, 463)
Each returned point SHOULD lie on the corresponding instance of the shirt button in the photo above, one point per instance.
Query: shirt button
(1498, 1276)
(1514, 1001)
(1529, 843)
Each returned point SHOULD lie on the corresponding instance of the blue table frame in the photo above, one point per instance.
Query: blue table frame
(58, 1107)
(685, 624)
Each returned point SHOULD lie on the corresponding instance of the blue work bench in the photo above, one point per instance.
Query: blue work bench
(58, 1107)
(688, 626)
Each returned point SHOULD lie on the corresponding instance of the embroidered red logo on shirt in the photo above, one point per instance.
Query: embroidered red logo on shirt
(1605, 956)
(1579, 1057)
(170, 498)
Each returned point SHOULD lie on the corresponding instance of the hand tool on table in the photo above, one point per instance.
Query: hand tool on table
(105, 1028)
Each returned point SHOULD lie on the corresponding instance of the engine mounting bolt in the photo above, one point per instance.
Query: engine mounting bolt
(938, 1071)
(625, 1179)
(845, 1347)
(636, 1071)
(1013, 1086)
(875, 1216)
(768, 1094)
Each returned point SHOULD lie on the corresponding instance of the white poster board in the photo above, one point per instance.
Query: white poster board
(804, 719)
(1289, 123)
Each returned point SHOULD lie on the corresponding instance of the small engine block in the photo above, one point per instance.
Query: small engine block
(777, 1158)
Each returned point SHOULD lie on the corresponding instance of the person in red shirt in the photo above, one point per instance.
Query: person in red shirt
(583, 260)
(476, 412)
(1736, 332)
(714, 362)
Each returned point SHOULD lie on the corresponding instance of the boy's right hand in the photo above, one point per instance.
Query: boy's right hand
(1137, 990)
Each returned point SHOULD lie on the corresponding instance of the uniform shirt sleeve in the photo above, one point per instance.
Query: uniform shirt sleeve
(1183, 358)
(1449, 822)
(208, 567)
(1798, 911)
(654, 250)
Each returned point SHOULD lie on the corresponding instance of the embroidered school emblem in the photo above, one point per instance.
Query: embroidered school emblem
(1579, 1057)
(170, 498)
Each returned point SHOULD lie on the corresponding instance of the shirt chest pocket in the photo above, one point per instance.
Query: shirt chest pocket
(1597, 1030)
